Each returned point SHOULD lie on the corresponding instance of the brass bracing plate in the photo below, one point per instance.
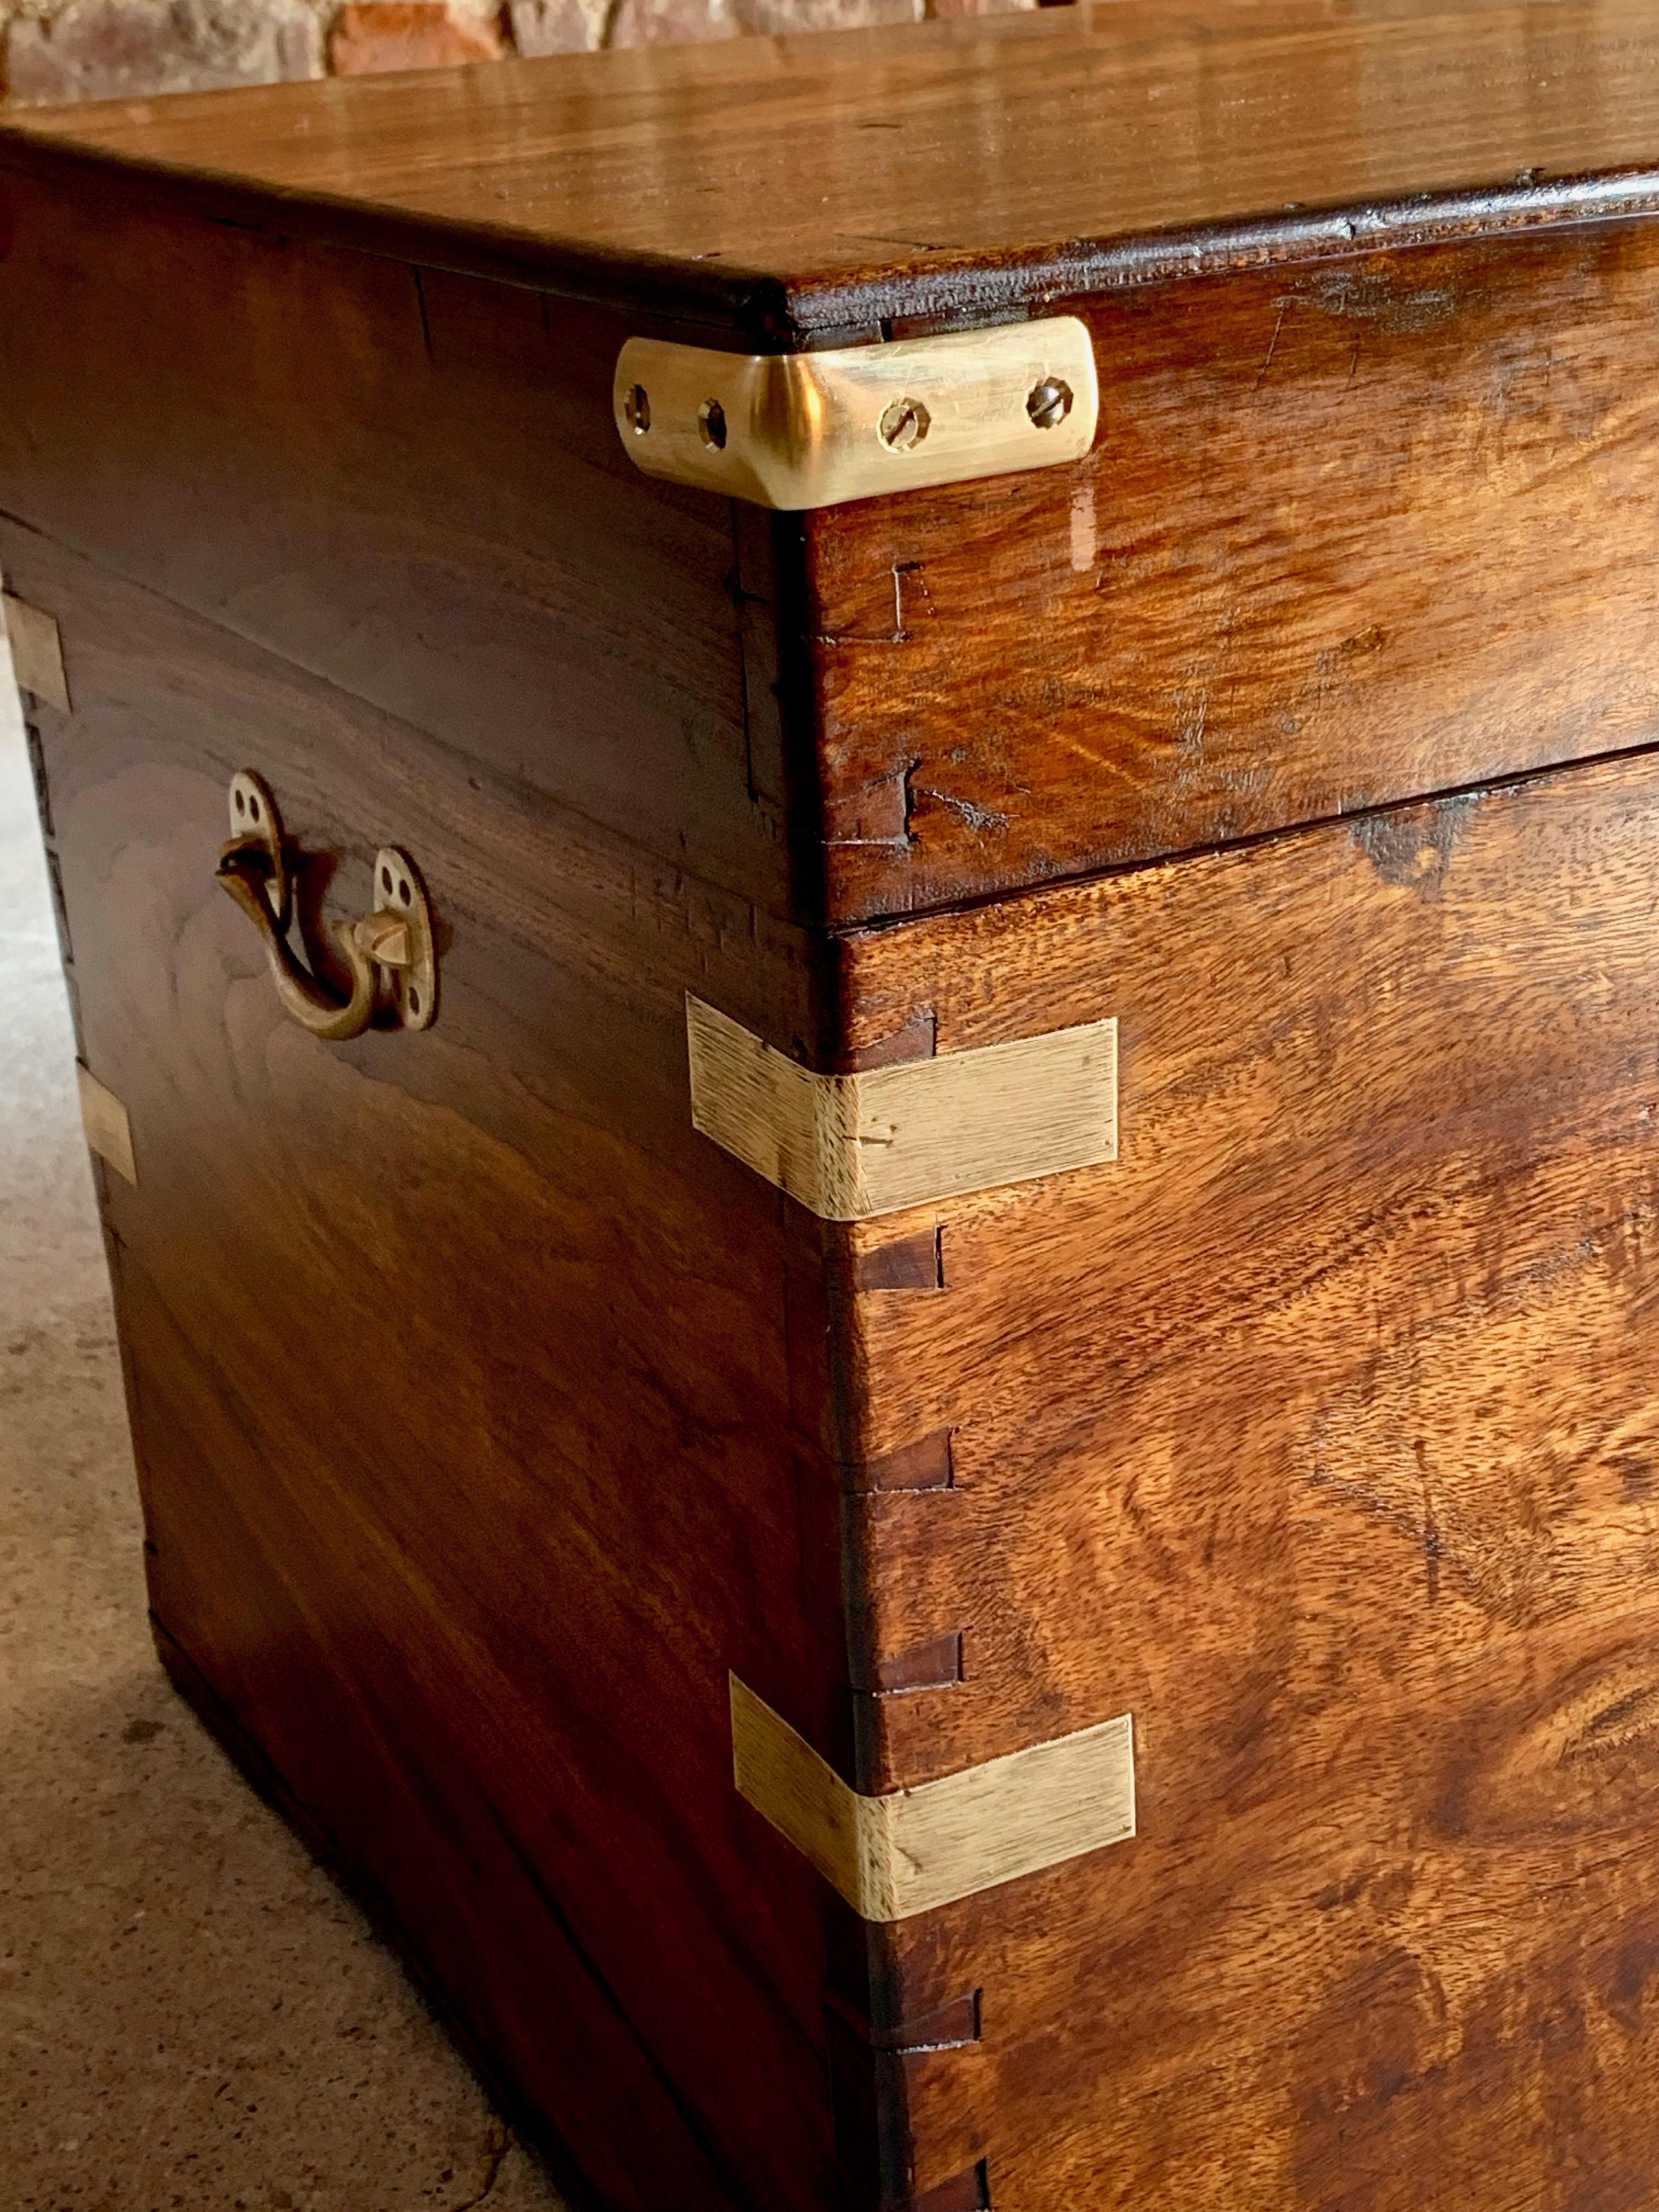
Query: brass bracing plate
(109, 1132)
(914, 1850)
(37, 651)
(849, 1147)
(814, 429)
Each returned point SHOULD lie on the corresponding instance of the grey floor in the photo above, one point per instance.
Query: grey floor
(191, 2019)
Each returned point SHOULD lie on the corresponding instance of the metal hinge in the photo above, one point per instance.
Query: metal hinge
(812, 429)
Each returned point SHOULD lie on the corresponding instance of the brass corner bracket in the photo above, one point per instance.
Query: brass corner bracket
(814, 430)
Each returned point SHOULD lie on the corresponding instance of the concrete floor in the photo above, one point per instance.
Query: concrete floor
(191, 2019)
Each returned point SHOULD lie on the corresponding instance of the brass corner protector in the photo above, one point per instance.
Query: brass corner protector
(893, 1856)
(814, 430)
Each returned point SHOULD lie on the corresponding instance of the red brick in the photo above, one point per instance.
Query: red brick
(370, 35)
(127, 49)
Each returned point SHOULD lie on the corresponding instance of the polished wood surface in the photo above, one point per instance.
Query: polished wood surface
(1319, 1431)
(802, 188)
(436, 1341)
(491, 1417)
(406, 484)
(1347, 535)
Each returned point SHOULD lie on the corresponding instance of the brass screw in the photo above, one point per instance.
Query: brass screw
(1049, 403)
(711, 423)
(636, 410)
(905, 424)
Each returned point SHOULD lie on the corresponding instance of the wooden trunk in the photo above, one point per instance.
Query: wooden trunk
(946, 1489)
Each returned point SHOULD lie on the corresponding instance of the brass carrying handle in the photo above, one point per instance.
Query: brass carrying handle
(390, 953)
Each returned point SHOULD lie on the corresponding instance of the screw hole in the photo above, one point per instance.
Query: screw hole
(636, 410)
(1049, 403)
(414, 1002)
(386, 881)
(404, 893)
(254, 808)
(241, 803)
(711, 423)
(904, 425)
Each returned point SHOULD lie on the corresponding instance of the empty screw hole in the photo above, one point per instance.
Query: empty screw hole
(1049, 403)
(404, 893)
(905, 424)
(386, 881)
(636, 410)
(414, 1002)
(711, 422)
(254, 808)
(241, 803)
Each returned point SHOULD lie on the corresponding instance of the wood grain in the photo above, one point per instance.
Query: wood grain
(1319, 1431)
(1347, 536)
(1316, 1431)
(796, 189)
(912, 1850)
(104, 1118)
(849, 1147)
(373, 1537)
(490, 1417)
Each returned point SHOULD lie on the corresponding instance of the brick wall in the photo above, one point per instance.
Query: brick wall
(63, 50)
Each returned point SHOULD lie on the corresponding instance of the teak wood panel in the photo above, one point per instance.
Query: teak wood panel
(791, 189)
(1320, 1432)
(1318, 1501)
(407, 482)
(460, 1375)
(1347, 535)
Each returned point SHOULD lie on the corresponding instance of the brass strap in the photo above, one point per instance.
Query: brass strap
(36, 652)
(893, 1856)
(851, 1146)
(814, 430)
(104, 1118)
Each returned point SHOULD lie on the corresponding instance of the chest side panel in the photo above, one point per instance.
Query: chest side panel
(1317, 1431)
(461, 1384)
(1347, 535)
